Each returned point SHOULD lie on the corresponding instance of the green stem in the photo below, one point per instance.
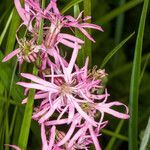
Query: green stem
(135, 79)
(113, 139)
(119, 25)
(13, 121)
(88, 43)
(110, 133)
(81, 55)
(118, 33)
(25, 128)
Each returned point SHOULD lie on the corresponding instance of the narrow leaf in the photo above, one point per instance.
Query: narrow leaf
(88, 44)
(146, 138)
(110, 133)
(126, 68)
(114, 13)
(144, 67)
(81, 56)
(113, 139)
(6, 27)
(69, 5)
(15, 22)
(135, 79)
(25, 128)
(111, 53)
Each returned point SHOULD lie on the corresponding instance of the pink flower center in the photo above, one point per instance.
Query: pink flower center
(65, 89)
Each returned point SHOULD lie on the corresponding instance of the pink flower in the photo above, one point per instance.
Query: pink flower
(27, 50)
(52, 13)
(67, 95)
(52, 35)
(64, 90)
(70, 91)
(28, 13)
(79, 135)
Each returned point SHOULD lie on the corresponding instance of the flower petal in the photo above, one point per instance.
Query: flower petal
(37, 80)
(50, 112)
(71, 38)
(36, 86)
(56, 122)
(106, 108)
(68, 43)
(12, 54)
(52, 138)
(83, 114)
(43, 136)
(69, 134)
(92, 26)
(20, 10)
(94, 137)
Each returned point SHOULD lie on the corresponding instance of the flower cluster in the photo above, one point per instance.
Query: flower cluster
(68, 103)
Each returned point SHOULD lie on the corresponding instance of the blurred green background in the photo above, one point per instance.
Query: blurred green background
(119, 19)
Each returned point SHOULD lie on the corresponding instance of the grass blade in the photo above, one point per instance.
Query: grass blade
(146, 138)
(119, 10)
(144, 67)
(13, 121)
(26, 123)
(118, 33)
(135, 79)
(113, 139)
(81, 56)
(7, 138)
(17, 126)
(111, 53)
(12, 32)
(126, 68)
(69, 5)
(110, 133)
(5, 14)
(6, 27)
(119, 24)
(88, 44)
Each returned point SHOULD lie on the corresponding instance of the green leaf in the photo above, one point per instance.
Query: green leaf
(69, 5)
(113, 139)
(119, 24)
(12, 32)
(6, 27)
(17, 126)
(144, 67)
(111, 53)
(86, 50)
(135, 79)
(146, 138)
(26, 123)
(5, 14)
(87, 43)
(110, 133)
(13, 121)
(81, 55)
(126, 68)
(114, 13)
